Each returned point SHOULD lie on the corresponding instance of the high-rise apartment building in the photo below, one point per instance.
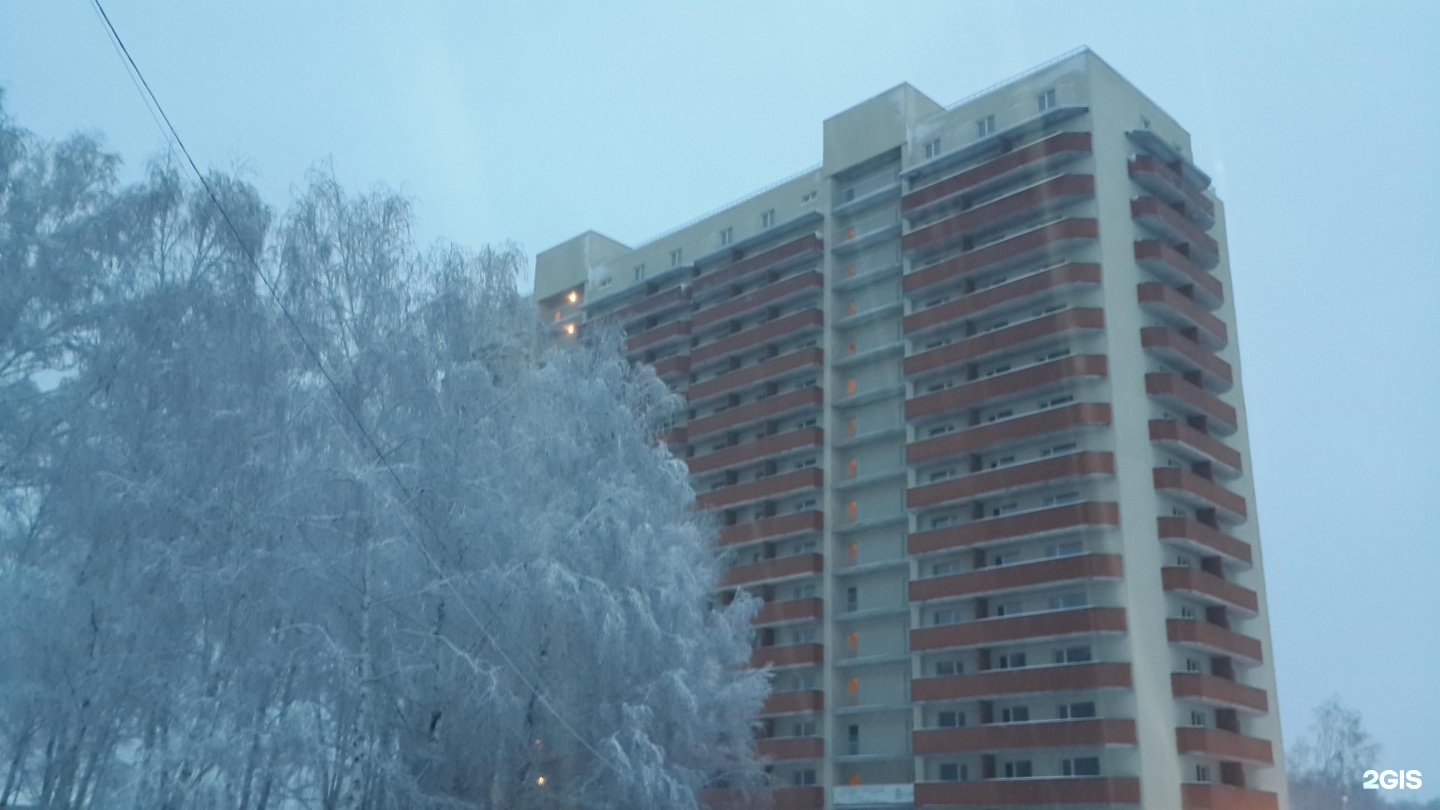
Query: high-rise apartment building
(966, 401)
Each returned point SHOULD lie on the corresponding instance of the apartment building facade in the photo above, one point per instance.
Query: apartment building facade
(966, 401)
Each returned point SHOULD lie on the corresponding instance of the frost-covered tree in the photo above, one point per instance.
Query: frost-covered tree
(1327, 765)
(392, 546)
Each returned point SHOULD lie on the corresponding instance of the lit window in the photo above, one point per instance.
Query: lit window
(569, 328)
(850, 386)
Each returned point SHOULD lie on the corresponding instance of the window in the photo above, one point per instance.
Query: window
(942, 475)
(932, 149)
(945, 617)
(805, 636)
(676, 256)
(810, 195)
(1052, 403)
(803, 591)
(998, 370)
(1191, 665)
(1202, 773)
(767, 218)
(1081, 766)
(1011, 661)
(852, 598)
(1006, 509)
(1005, 558)
(1002, 462)
(803, 778)
(802, 728)
(985, 126)
(941, 430)
(953, 772)
(1058, 450)
(604, 282)
(1019, 770)
(1062, 498)
(943, 521)
(639, 272)
(1197, 718)
(1066, 549)
(1008, 609)
(1065, 601)
(950, 668)
(1076, 711)
(1186, 612)
(950, 719)
(727, 236)
(1046, 100)
(1072, 655)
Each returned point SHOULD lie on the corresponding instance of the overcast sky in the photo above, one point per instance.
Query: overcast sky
(533, 122)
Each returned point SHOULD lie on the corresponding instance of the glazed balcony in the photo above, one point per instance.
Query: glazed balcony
(1024, 681)
(1014, 337)
(789, 610)
(1046, 243)
(658, 337)
(1183, 312)
(1151, 174)
(773, 528)
(788, 655)
(1015, 293)
(809, 283)
(1196, 444)
(995, 579)
(1200, 492)
(1214, 796)
(1171, 226)
(1015, 736)
(789, 326)
(774, 407)
(1204, 539)
(1037, 523)
(1050, 195)
(1192, 400)
(796, 565)
(1223, 744)
(1210, 588)
(664, 301)
(771, 486)
(1213, 639)
(1052, 792)
(794, 702)
(1051, 422)
(1173, 267)
(791, 748)
(1188, 356)
(756, 374)
(791, 253)
(757, 450)
(1024, 627)
(991, 390)
(1028, 475)
(1220, 692)
(778, 798)
(1037, 158)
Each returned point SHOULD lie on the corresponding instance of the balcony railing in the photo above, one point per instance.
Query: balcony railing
(1028, 475)
(659, 336)
(1217, 691)
(1193, 400)
(788, 748)
(1196, 443)
(1014, 292)
(768, 487)
(994, 579)
(1168, 184)
(1063, 145)
(1205, 538)
(1048, 195)
(1210, 588)
(1184, 312)
(758, 373)
(1224, 745)
(789, 610)
(1188, 355)
(789, 326)
(798, 565)
(1202, 492)
(1011, 736)
(1035, 523)
(1169, 264)
(1036, 245)
(773, 528)
(794, 702)
(1196, 796)
(1214, 639)
(1027, 427)
(1098, 790)
(1025, 627)
(786, 255)
(1024, 681)
(1005, 339)
(796, 286)
(1171, 225)
(1048, 375)
(772, 407)
(789, 655)
(751, 452)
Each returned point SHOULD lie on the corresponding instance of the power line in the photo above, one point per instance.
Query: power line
(168, 131)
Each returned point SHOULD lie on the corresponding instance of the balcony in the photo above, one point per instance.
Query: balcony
(1051, 194)
(1012, 736)
(796, 286)
(1213, 639)
(758, 373)
(1052, 375)
(772, 407)
(1039, 245)
(672, 369)
(664, 301)
(1009, 338)
(786, 255)
(1037, 157)
(1059, 791)
(674, 437)
(773, 528)
(779, 798)
(1037, 523)
(1013, 293)
(1224, 745)
(1171, 266)
(1025, 627)
(798, 565)
(789, 326)
(1196, 444)
(757, 450)
(657, 337)
(1217, 691)
(1169, 185)
(1192, 400)
(771, 486)
(1051, 422)
(1210, 588)
(1195, 796)
(794, 702)
(1204, 539)
(1026, 681)
(1182, 312)
(789, 655)
(1028, 475)
(984, 581)
(1188, 356)
(1200, 492)
(789, 610)
(1166, 222)
(788, 748)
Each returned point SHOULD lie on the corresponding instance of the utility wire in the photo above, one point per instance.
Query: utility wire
(168, 131)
